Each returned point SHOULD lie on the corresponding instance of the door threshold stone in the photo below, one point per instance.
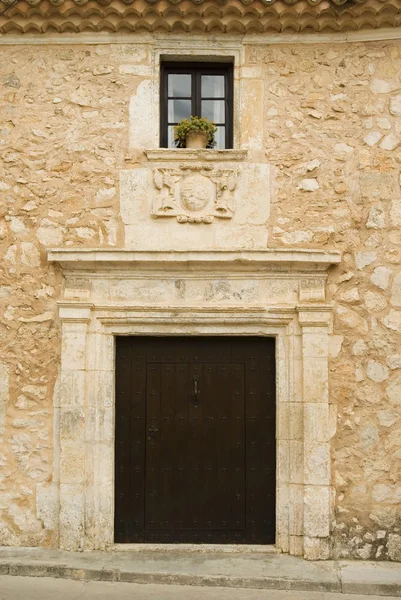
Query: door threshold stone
(198, 548)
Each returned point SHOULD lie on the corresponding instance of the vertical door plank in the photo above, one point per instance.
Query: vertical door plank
(153, 400)
(182, 493)
(123, 517)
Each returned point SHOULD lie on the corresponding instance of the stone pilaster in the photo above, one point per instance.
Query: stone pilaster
(314, 323)
(72, 415)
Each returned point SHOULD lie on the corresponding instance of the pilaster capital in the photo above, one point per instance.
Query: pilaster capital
(74, 313)
(314, 316)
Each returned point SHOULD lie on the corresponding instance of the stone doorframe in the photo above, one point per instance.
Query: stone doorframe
(276, 293)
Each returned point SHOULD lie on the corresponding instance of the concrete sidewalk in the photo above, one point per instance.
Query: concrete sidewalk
(236, 570)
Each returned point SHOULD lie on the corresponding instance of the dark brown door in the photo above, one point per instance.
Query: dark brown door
(195, 440)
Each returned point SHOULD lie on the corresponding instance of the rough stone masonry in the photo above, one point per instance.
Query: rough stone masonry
(331, 130)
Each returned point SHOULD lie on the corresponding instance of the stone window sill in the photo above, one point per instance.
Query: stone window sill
(174, 154)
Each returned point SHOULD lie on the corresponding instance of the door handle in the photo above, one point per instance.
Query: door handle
(196, 392)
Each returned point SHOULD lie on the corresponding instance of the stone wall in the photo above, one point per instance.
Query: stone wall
(333, 132)
(329, 115)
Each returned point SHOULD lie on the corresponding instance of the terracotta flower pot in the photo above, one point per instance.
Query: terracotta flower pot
(196, 139)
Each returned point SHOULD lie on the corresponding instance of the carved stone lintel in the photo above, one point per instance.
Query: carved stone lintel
(194, 193)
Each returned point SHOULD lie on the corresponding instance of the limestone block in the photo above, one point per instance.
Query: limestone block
(372, 138)
(350, 319)
(104, 464)
(143, 116)
(395, 212)
(4, 395)
(390, 494)
(335, 345)
(359, 348)
(50, 233)
(296, 509)
(376, 218)
(381, 277)
(317, 463)
(229, 236)
(315, 380)
(47, 505)
(72, 462)
(395, 106)
(396, 291)
(136, 70)
(369, 436)
(394, 361)
(72, 424)
(316, 511)
(309, 185)
(393, 391)
(105, 421)
(252, 113)
(73, 346)
(315, 345)
(17, 225)
(72, 516)
(377, 371)
(295, 421)
(390, 142)
(382, 86)
(296, 545)
(351, 296)
(316, 548)
(283, 461)
(72, 388)
(316, 422)
(296, 461)
(394, 546)
(252, 194)
(392, 320)
(387, 418)
(30, 255)
(363, 259)
(135, 195)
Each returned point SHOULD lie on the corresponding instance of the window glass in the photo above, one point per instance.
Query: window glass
(179, 85)
(212, 86)
(171, 133)
(220, 138)
(178, 109)
(214, 110)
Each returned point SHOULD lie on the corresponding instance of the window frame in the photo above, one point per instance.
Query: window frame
(196, 70)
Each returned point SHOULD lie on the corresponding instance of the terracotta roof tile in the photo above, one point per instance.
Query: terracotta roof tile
(39, 16)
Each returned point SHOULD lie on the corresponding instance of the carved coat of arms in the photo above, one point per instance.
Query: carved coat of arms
(194, 194)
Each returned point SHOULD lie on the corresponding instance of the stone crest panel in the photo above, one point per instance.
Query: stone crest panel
(224, 195)
(194, 194)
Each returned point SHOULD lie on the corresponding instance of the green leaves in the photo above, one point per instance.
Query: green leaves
(192, 125)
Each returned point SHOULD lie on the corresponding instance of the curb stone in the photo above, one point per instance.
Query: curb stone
(85, 574)
(364, 579)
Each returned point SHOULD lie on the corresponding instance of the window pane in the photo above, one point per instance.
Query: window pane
(170, 137)
(179, 85)
(178, 110)
(220, 138)
(214, 110)
(212, 86)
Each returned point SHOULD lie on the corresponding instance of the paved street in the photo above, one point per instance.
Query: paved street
(28, 588)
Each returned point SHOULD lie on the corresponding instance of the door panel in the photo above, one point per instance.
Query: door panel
(195, 440)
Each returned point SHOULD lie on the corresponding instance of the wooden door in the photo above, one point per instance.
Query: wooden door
(195, 440)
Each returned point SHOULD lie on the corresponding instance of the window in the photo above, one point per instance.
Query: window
(198, 89)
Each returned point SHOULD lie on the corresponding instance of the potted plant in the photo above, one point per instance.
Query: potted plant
(195, 132)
